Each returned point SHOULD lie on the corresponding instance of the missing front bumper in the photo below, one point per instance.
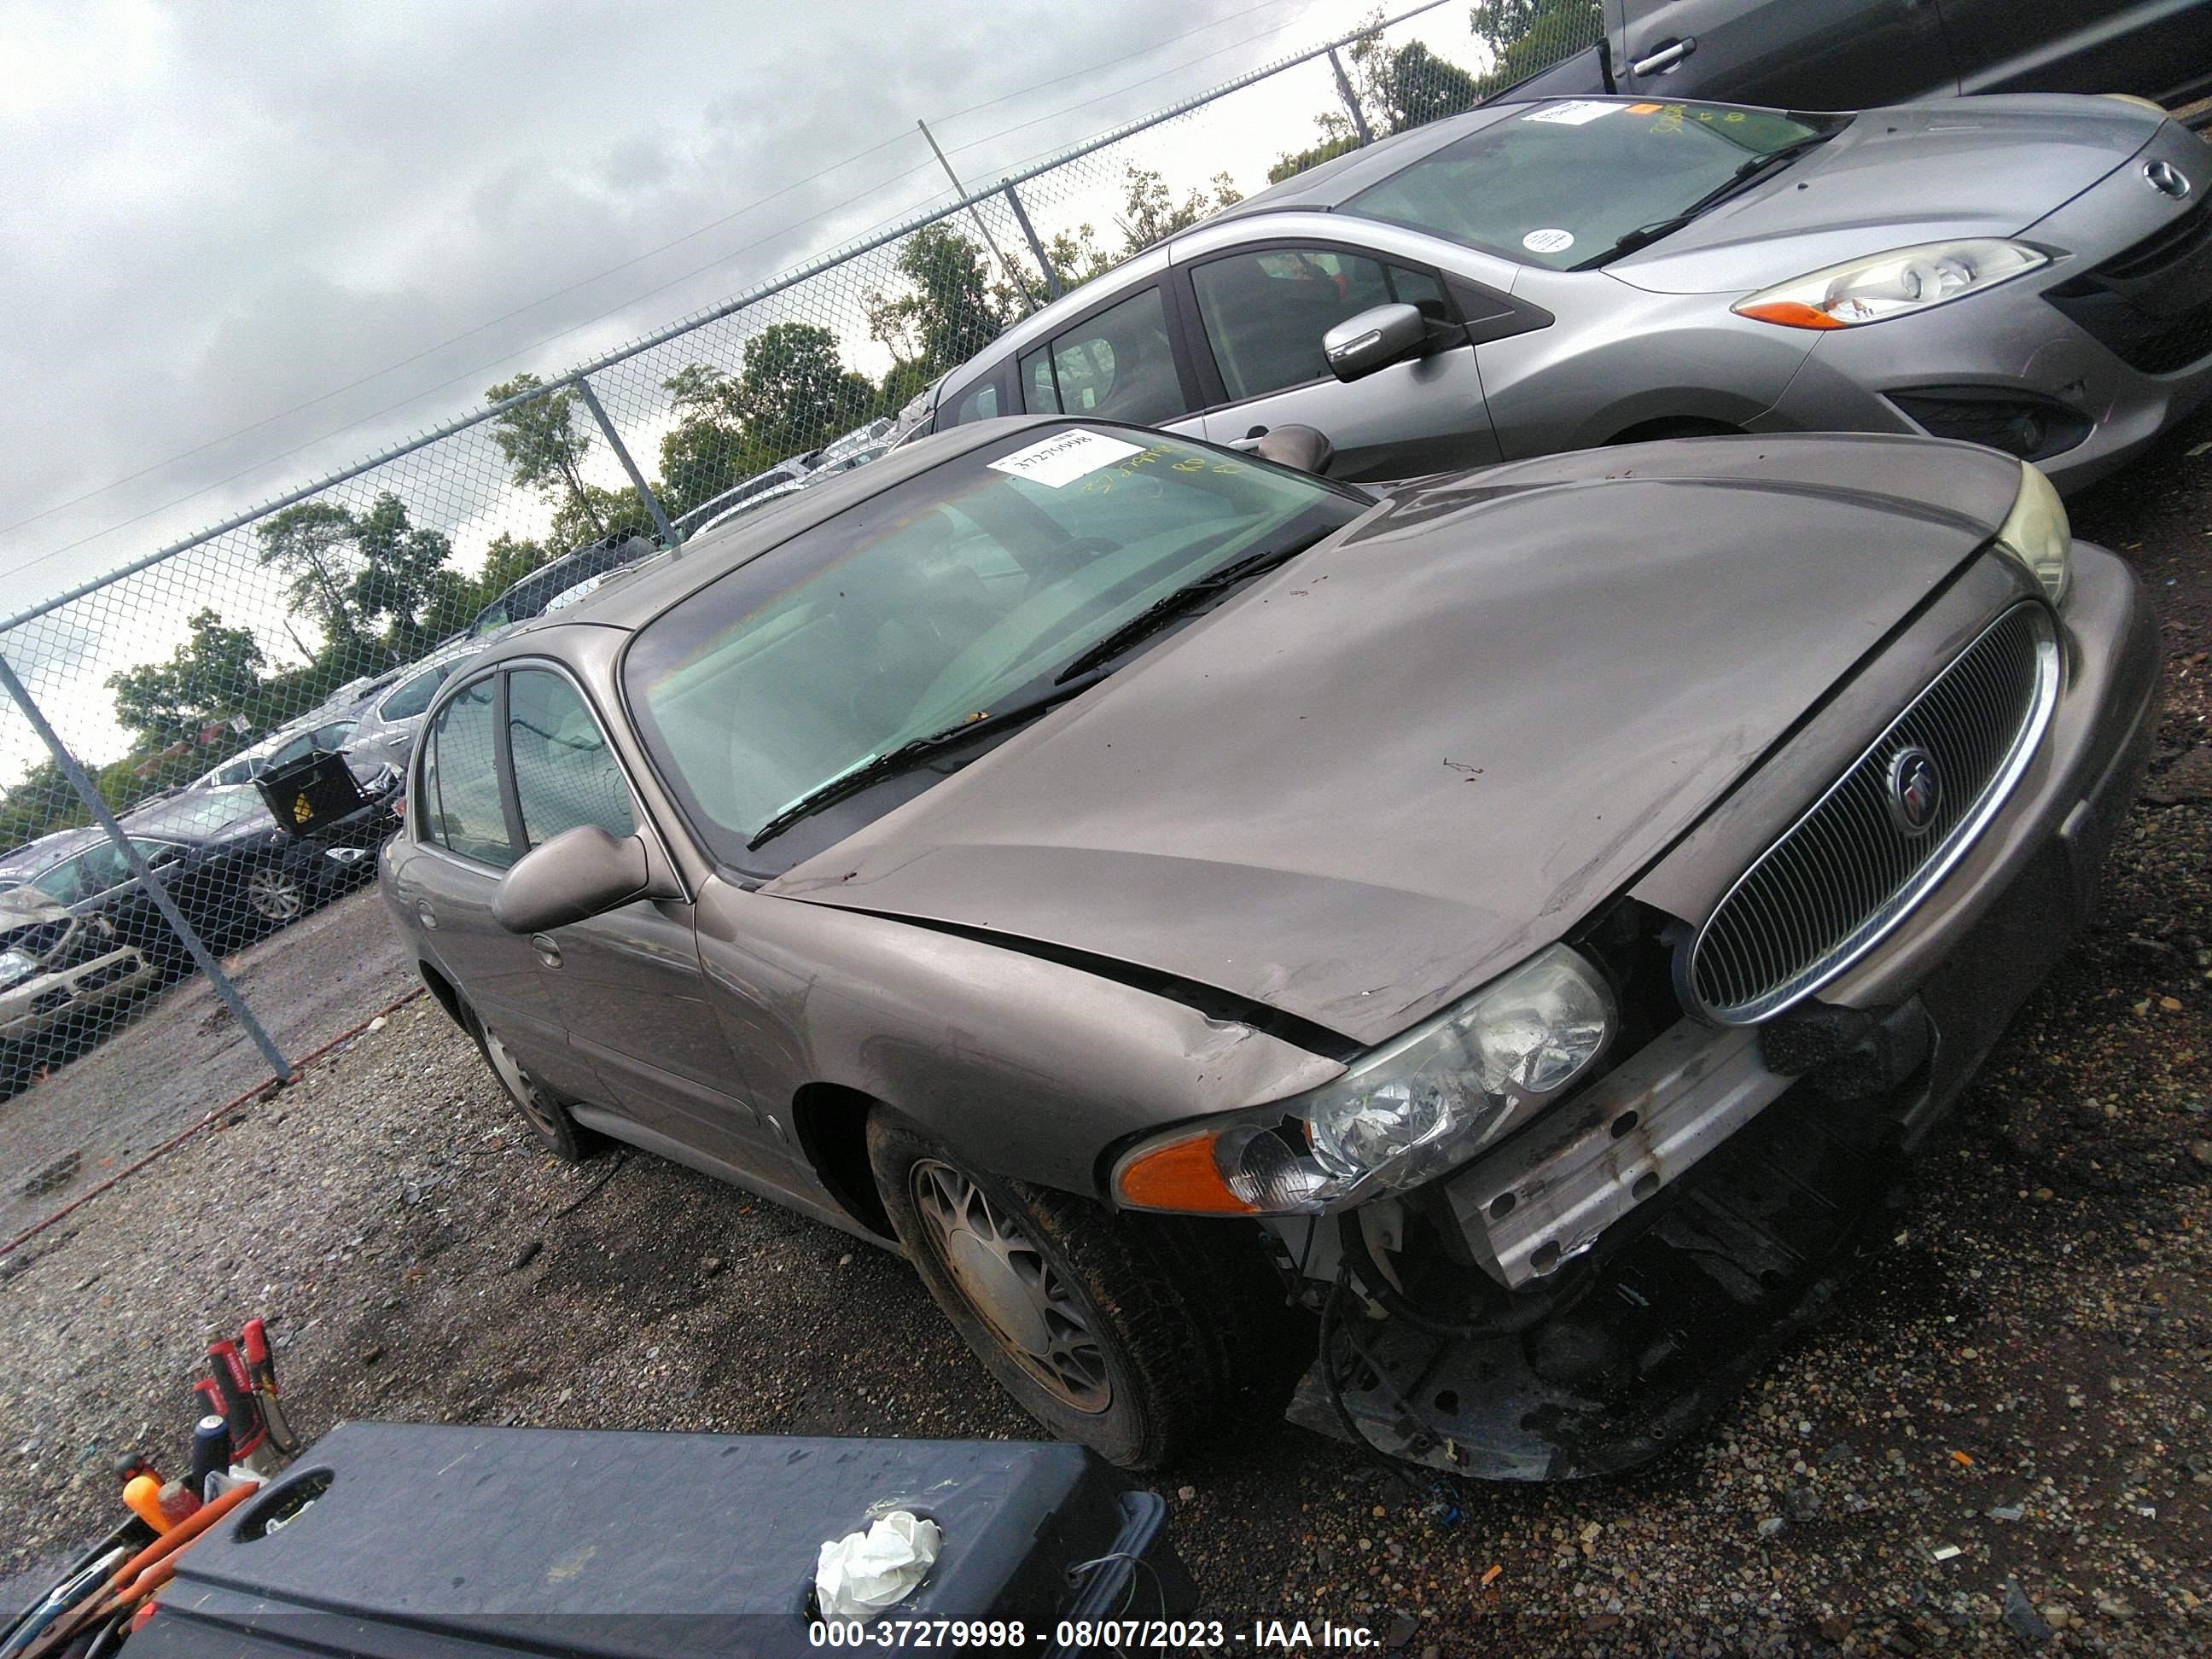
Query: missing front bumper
(1748, 1251)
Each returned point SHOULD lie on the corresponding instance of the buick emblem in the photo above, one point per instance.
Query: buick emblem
(2166, 179)
(1916, 791)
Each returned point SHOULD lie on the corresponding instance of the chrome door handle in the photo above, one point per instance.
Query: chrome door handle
(1666, 58)
(548, 951)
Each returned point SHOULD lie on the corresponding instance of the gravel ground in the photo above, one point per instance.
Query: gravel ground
(324, 975)
(2020, 1377)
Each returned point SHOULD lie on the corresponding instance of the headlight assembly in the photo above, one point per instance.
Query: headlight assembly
(1403, 1114)
(1892, 284)
(15, 968)
(2036, 533)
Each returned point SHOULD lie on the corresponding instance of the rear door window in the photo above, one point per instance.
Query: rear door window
(564, 773)
(979, 403)
(1118, 365)
(460, 780)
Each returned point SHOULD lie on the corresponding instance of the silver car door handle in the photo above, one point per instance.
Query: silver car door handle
(1250, 442)
(1666, 58)
(548, 951)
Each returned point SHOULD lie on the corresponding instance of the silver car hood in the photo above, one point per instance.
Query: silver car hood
(1918, 172)
(1388, 771)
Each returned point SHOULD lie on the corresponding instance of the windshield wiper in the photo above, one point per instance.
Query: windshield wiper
(1157, 615)
(918, 752)
(1752, 170)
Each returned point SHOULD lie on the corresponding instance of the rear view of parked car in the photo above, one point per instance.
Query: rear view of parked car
(2028, 273)
(1526, 921)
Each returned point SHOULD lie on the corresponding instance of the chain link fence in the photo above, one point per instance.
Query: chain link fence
(205, 747)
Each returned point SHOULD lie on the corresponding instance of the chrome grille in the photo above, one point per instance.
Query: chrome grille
(1847, 871)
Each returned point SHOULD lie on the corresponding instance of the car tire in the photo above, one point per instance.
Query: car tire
(19, 1069)
(1129, 1334)
(544, 1113)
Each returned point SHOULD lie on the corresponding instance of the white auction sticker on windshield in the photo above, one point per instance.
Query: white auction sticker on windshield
(1574, 112)
(1062, 458)
(1548, 241)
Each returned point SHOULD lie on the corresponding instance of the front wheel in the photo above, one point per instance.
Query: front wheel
(1097, 1325)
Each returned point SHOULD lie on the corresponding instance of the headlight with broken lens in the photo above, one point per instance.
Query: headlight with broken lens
(1891, 284)
(2037, 534)
(1402, 1115)
(16, 966)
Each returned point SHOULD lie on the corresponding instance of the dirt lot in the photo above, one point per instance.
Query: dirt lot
(182, 1055)
(2020, 1377)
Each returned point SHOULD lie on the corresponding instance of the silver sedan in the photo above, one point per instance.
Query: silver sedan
(2033, 273)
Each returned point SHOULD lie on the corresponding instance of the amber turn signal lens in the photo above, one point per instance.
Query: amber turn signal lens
(1790, 314)
(1180, 1175)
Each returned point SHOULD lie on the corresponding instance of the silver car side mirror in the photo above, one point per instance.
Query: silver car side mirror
(580, 872)
(1305, 447)
(1374, 339)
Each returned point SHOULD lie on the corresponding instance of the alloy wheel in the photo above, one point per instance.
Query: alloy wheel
(521, 1086)
(1006, 1278)
(275, 896)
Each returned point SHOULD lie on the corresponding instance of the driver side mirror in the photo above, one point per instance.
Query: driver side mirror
(1374, 339)
(579, 873)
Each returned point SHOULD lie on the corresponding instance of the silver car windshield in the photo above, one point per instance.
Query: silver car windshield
(961, 593)
(1561, 184)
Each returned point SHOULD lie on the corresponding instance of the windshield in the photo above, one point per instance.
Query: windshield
(959, 592)
(1561, 182)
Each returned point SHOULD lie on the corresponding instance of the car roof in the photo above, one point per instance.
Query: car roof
(718, 551)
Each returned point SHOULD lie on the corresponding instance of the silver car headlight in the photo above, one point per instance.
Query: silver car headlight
(1403, 1113)
(2036, 533)
(1892, 284)
(15, 969)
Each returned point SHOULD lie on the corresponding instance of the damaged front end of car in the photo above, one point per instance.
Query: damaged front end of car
(1549, 1231)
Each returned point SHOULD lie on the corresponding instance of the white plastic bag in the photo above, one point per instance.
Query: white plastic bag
(865, 1573)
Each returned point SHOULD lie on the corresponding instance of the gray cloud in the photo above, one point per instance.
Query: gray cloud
(213, 214)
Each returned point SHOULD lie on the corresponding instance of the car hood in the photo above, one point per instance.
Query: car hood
(1393, 768)
(21, 907)
(1918, 172)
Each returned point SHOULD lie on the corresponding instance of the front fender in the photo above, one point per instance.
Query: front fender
(1027, 1067)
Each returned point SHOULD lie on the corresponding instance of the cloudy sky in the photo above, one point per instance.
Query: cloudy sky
(243, 245)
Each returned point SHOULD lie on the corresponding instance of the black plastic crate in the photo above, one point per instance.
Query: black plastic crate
(310, 795)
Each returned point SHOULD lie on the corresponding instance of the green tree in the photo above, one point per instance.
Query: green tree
(544, 449)
(214, 675)
(1151, 213)
(1527, 35)
(38, 804)
(949, 307)
(1418, 87)
(398, 578)
(795, 394)
(311, 543)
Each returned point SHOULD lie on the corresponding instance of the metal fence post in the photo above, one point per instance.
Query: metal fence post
(89, 794)
(1022, 218)
(1351, 100)
(668, 537)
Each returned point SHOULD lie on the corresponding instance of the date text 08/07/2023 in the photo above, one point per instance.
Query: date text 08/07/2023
(1109, 1635)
